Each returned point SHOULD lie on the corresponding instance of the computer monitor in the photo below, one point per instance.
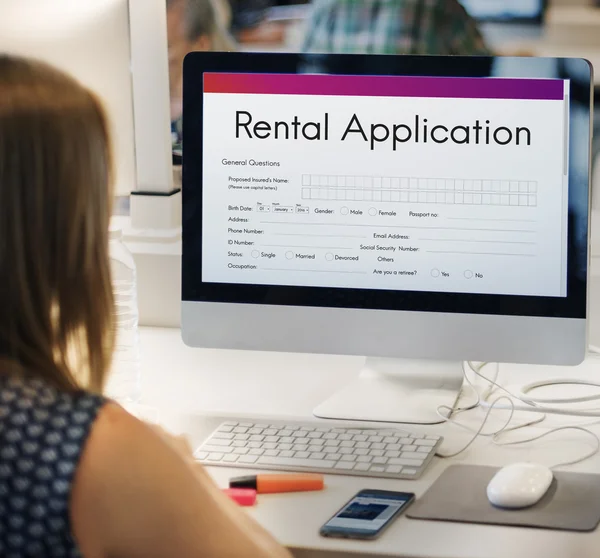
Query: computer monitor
(509, 11)
(419, 211)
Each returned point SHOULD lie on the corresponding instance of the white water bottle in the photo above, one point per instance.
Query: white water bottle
(124, 383)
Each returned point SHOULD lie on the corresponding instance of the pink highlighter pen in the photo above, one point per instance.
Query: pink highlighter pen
(242, 496)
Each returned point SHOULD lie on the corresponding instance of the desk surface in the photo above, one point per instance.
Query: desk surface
(185, 384)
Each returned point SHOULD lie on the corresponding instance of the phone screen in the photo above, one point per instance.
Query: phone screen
(367, 513)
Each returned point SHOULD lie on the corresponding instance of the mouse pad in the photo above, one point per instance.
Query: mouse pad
(571, 504)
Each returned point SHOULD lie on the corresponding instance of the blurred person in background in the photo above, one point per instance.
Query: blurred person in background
(250, 25)
(192, 25)
(392, 27)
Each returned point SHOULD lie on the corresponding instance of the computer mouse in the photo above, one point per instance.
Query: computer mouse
(519, 485)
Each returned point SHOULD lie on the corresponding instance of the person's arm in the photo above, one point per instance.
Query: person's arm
(461, 31)
(136, 495)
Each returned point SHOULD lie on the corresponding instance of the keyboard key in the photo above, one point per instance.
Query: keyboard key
(256, 438)
(285, 433)
(409, 471)
(375, 439)
(214, 456)
(287, 454)
(247, 424)
(348, 458)
(242, 437)
(315, 435)
(314, 442)
(294, 462)
(359, 438)
(405, 462)
(300, 447)
(379, 461)
(284, 447)
(319, 455)
(412, 455)
(241, 451)
(240, 430)
(407, 441)
(362, 467)
(362, 445)
(270, 432)
(218, 442)
(333, 443)
(436, 438)
(376, 453)
(249, 459)
(254, 445)
(232, 458)
(217, 449)
(302, 454)
(333, 456)
(345, 466)
(393, 469)
(424, 449)
(346, 451)
(378, 446)
(307, 429)
(228, 423)
(271, 453)
(344, 437)
(262, 426)
(269, 445)
(271, 439)
(256, 452)
(239, 444)
(377, 469)
(347, 444)
(201, 455)
(225, 436)
(287, 439)
(392, 454)
(360, 451)
(354, 431)
(393, 447)
(299, 434)
(255, 431)
(409, 448)
(322, 429)
(330, 436)
(391, 440)
(426, 442)
(364, 459)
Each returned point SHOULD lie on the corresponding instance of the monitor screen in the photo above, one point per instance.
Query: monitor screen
(430, 184)
(505, 10)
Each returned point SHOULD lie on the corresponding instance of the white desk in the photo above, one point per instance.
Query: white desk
(182, 382)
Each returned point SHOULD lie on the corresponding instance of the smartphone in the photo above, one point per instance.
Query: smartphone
(367, 514)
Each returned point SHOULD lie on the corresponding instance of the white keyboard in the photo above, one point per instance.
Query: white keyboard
(369, 452)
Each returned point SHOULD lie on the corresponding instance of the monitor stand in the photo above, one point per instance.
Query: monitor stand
(396, 390)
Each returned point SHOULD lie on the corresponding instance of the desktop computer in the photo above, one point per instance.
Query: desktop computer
(419, 211)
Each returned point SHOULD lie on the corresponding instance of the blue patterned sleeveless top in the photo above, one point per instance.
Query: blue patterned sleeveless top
(42, 435)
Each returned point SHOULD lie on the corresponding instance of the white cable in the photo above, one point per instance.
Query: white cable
(532, 407)
(554, 431)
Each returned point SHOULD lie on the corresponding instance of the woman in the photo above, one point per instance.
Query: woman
(78, 475)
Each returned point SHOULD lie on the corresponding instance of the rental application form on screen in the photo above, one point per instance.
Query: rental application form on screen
(385, 182)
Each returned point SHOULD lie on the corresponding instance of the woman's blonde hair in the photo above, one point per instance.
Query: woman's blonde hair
(56, 299)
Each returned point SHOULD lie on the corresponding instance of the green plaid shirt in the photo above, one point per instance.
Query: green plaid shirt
(391, 27)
